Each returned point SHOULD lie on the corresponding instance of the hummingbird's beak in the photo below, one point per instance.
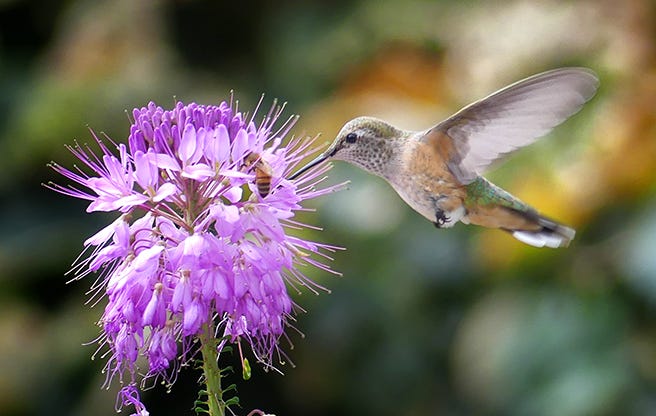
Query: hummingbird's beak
(310, 165)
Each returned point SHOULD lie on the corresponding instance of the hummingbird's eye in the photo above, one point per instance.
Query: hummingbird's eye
(351, 138)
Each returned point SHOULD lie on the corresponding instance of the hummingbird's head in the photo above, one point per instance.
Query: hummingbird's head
(364, 141)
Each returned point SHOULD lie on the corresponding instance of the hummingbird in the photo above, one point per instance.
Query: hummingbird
(438, 171)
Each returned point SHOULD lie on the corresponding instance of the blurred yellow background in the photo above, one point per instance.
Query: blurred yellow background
(423, 322)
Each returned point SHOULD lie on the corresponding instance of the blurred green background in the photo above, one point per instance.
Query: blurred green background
(422, 322)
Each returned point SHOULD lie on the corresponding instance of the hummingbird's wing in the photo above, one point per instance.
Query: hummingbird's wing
(510, 118)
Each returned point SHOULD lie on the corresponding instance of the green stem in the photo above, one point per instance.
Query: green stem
(215, 403)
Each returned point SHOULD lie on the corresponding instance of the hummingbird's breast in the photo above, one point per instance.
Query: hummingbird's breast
(424, 182)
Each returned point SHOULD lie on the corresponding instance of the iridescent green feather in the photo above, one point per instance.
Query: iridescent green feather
(482, 192)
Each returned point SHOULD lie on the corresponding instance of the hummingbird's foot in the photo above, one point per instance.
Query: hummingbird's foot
(440, 219)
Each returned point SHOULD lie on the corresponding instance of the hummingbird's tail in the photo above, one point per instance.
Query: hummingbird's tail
(492, 207)
(547, 233)
(526, 225)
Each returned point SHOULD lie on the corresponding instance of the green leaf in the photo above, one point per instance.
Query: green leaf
(232, 402)
(245, 369)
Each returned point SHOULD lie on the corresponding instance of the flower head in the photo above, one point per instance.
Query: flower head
(198, 246)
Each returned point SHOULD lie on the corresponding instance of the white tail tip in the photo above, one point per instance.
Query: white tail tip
(545, 238)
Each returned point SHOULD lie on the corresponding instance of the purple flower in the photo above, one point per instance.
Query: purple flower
(197, 247)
